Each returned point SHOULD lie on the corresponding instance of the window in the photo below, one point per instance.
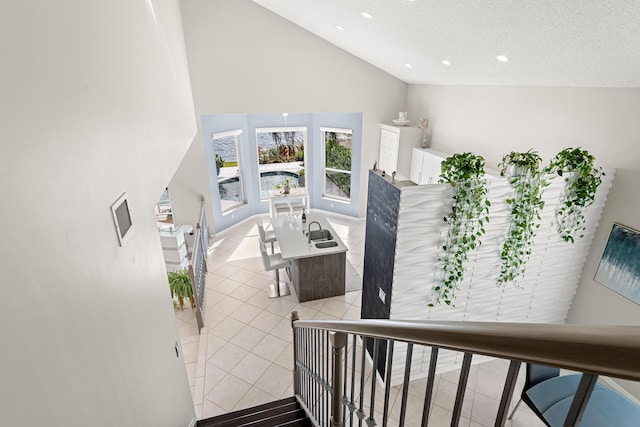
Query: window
(280, 156)
(226, 146)
(163, 208)
(336, 163)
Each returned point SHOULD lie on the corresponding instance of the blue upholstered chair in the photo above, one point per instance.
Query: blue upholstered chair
(535, 375)
(544, 388)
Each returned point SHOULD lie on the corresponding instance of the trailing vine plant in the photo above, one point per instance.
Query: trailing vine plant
(469, 213)
(525, 176)
(582, 179)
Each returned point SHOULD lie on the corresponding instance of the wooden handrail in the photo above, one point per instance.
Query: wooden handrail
(604, 350)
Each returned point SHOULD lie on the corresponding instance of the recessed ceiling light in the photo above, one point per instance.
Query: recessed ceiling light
(502, 58)
(445, 62)
(366, 15)
(339, 27)
(408, 65)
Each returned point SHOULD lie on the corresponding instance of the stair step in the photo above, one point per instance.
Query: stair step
(264, 418)
(299, 422)
(253, 416)
(277, 420)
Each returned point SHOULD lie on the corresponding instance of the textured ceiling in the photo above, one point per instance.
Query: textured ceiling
(575, 43)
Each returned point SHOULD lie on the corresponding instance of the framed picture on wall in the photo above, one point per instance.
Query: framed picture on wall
(619, 268)
(122, 218)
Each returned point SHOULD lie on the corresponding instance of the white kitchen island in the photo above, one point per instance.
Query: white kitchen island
(316, 272)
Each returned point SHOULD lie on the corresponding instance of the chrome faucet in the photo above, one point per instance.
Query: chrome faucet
(309, 230)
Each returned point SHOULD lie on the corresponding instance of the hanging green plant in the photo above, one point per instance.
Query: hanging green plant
(469, 213)
(525, 176)
(582, 180)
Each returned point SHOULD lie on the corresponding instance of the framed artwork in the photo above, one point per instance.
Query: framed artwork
(619, 268)
(122, 218)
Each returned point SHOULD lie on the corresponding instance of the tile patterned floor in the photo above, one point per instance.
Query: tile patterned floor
(244, 355)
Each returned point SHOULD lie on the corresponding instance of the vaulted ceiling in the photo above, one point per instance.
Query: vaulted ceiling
(573, 43)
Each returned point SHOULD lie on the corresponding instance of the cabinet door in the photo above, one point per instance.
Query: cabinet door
(427, 169)
(417, 158)
(388, 159)
(435, 167)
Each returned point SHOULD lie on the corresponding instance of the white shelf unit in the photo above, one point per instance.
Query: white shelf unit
(174, 248)
(425, 165)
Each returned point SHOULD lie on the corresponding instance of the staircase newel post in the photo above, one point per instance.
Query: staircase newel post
(338, 341)
(296, 382)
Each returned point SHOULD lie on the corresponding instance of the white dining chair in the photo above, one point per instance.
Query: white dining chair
(282, 208)
(298, 207)
(266, 236)
(275, 262)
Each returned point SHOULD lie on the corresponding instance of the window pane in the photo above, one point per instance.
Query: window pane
(337, 163)
(280, 157)
(337, 150)
(337, 184)
(280, 147)
(230, 183)
(163, 208)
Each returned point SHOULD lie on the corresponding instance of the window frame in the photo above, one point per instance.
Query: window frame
(305, 132)
(323, 131)
(236, 133)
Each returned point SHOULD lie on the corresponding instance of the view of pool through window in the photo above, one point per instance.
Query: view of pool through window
(280, 157)
(250, 158)
(228, 168)
(268, 180)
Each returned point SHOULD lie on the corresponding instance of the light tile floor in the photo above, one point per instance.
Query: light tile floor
(244, 355)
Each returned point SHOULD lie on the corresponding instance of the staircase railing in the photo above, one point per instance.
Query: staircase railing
(340, 365)
(198, 263)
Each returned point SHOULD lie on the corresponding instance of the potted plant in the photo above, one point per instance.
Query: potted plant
(525, 175)
(582, 180)
(219, 163)
(301, 178)
(469, 212)
(285, 185)
(180, 286)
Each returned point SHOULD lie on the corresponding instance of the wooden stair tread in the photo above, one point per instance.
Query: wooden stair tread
(283, 412)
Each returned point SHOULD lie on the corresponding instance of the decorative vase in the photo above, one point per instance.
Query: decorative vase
(426, 139)
(515, 171)
(286, 189)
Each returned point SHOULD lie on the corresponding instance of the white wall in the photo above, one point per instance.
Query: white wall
(491, 121)
(95, 101)
(245, 59)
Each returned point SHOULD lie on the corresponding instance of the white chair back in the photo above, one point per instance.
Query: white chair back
(266, 263)
(261, 232)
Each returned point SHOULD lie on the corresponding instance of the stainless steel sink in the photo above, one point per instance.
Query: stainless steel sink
(326, 244)
(320, 235)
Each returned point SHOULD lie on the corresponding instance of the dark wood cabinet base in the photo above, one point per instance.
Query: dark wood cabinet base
(319, 277)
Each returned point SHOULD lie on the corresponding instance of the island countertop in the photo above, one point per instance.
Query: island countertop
(293, 242)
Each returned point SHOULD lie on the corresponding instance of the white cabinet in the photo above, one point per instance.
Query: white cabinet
(396, 143)
(425, 166)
